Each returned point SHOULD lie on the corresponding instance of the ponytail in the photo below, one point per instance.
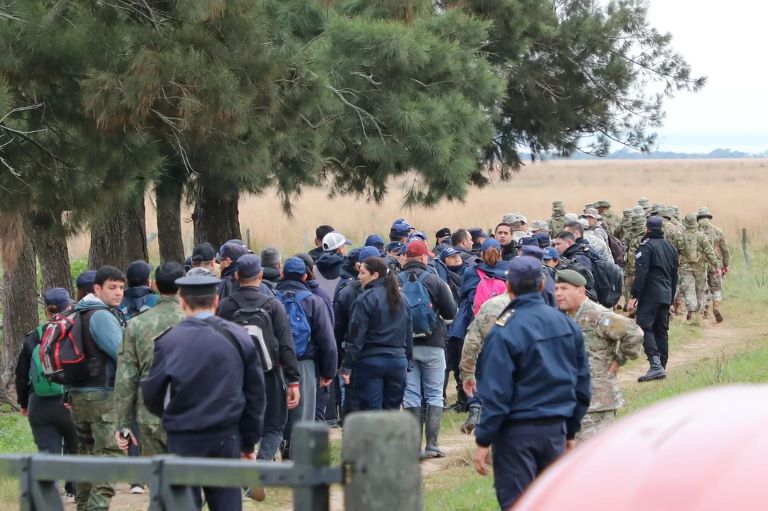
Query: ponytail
(491, 256)
(391, 284)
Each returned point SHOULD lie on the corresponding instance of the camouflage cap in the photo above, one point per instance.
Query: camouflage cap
(571, 217)
(638, 210)
(539, 225)
(590, 205)
(602, 203)
(638, 220)
(511, 218)
(591, 212)
(704, 212)
(656, 208)
(667, 213)
(627, 213)
(644, 202)
(558, 204)
(690, 221)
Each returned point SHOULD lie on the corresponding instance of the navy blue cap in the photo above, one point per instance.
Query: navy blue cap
(529, 240)
(395, 246)
(550, 254)
(490, 243)
(654, 222)
(533, 251)
(445, 232)
(524, 268)
(59, 297)
(477, 232)
(543, 239)
(401, 227)
(198, 285)
(374, 240)
(248, 266)
(294, 265)
(353, 256)
(367, 252)
(137, 273)
(417, 235)
(86, 279)
(447, 252)
(203, 252)
(231, 250)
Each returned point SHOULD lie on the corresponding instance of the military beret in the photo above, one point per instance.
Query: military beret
(571, 277)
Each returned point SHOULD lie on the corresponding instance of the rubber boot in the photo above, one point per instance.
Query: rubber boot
(432, 431)
(655, 372)
(716, 312)
(472, 419)
(416, 412)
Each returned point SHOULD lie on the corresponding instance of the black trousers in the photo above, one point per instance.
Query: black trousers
(210, 446)
(453, 348)
(276, 414)
(523, 450)
(653, 318)
(52, 427)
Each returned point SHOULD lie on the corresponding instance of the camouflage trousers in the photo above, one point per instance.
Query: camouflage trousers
(152, 440)
(595, 422)
(94, 416)
(693, 288)
(715, 287)
(628, 278)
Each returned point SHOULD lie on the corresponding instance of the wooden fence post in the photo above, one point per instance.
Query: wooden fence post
(311, 450)
(380, 453)
(744, 247)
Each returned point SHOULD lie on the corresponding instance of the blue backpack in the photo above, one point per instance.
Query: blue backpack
(417, 299)
(300, 328)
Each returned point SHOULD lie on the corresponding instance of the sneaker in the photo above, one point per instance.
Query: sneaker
(137, 489)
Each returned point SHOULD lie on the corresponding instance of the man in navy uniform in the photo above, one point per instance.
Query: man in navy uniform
(207, 384)
(533, 381)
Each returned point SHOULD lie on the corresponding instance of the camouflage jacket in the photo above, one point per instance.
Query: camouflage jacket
(135, 358)
(633, 243)
(717, 238)
(696, 251)
(473, 342)
(612, 222)
(608, 337)
(556, 225)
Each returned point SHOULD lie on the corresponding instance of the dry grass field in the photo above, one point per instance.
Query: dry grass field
(735, 190)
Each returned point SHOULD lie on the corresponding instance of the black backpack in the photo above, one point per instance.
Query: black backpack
(252, 316)
(608, 280)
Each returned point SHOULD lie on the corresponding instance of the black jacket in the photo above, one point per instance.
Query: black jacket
(579, 253)
(280, 325)
(509, 252)
(228, 283)
(211, 386)
(342, 310)
(375, 330)
(656, 265)
(23, 387)
(442, 302)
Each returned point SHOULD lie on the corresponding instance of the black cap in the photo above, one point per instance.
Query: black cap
(654, 222)
(86, 279)
(203, 252)
(137, 273)
(445, 232)
(198, 285)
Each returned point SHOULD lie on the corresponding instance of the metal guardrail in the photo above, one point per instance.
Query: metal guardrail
(379, 470)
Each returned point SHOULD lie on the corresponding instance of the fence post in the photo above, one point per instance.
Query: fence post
(744, 247)
(380, 453)
(310, 446)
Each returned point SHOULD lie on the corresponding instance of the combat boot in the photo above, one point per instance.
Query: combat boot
(418, 413)
(472, 419)
(705, 314)
(717, 313)
(655, 372)
(432, 431)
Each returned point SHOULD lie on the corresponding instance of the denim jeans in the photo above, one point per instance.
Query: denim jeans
(425, 381)
(380, 382)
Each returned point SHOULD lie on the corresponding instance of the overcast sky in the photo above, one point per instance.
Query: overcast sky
(725, 41)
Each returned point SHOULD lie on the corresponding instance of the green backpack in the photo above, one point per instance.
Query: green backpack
(41, 385)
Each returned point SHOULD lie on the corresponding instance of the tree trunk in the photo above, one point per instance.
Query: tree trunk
(168, 199)
(50, 244)
(216, 219)
(119, 237)
(20, 305)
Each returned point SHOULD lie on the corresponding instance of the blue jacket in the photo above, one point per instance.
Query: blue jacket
(137, 299)
(469, 282)
(202, 383)
(374, 330)
(533, 365)
(342, 310)
(322, 344)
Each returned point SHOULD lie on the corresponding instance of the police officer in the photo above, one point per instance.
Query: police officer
(533, 381)
(206, 382)
(652, 293)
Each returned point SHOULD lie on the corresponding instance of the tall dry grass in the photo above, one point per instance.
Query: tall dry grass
(735, 190)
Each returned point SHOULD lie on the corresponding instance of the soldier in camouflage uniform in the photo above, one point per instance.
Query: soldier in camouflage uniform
(473, 342)
(557, 222)
(610, 340)
(610, 220)
(632, 242)
(715, 281)
(645, 204)
(135, 359)
(624, 225)
(695, 253)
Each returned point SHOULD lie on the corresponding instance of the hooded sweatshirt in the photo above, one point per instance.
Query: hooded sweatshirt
(328, 271)
(137, 300)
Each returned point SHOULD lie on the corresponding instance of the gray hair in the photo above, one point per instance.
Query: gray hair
(270, 257)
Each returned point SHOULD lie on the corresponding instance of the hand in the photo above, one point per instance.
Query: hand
(570, 445)
(125, 443)
(345, 378)
(614, 368)
(481, 459)
(293, 395)
(632, 305)
(250, 456)
(324, 382)
(469, 386)
(24, 412)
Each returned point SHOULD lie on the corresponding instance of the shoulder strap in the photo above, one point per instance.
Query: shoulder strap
(301, 295)
(231, 338)
(422, 277)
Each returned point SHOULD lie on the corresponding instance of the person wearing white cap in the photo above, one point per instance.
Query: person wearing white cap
(329, 266)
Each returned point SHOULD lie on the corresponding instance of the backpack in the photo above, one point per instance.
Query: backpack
(417, 299)
(608, 280)
(300, 327)
(65, 347)
(41, 385)
(618, 250)
(488, 287)
(252, 316)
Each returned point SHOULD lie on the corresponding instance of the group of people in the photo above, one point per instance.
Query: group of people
(222, 356)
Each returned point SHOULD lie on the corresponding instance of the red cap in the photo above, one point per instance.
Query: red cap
(417, 248)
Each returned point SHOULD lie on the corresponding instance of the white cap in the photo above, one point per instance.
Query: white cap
(334, 240)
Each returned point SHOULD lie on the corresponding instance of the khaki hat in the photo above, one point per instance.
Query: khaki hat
(558, 204)
(602, 203)
(539, 225)
(571, 217)
(571, 277)
(690, 220)
(627, 213)
(704, 212)
(644, 202)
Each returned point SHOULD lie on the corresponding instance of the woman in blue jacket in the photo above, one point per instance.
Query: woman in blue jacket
(380, 340)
